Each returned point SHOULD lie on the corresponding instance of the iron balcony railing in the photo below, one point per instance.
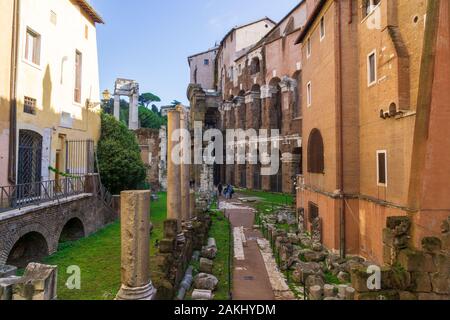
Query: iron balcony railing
(28, 194)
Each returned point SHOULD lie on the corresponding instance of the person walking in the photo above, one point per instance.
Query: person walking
(220, 189)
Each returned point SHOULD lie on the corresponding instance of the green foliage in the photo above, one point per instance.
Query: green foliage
(150, 119)
(147, 98)
(119, 157)
(175, 103)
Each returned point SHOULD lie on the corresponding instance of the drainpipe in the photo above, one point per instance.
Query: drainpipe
(342, 249)
(13, 94)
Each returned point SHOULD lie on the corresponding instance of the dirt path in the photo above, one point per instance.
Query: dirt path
(250, 279)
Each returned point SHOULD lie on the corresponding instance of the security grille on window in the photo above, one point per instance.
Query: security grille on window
(313, 211)
(33, 47)
(206, 62)
(29, 105)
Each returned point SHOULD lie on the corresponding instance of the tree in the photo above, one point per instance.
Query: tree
(119, 157)
(147, 98)
(175, 103)
(155, 109)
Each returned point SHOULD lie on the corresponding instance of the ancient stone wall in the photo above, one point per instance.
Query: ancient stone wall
(49, 219)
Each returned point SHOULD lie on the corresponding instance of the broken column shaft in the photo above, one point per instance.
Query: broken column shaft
(185, 170)
(135, 239)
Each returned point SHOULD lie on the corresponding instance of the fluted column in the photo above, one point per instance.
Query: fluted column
(185, 170)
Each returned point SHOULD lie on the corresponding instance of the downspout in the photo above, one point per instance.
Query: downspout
(13, 94)
(342, 249)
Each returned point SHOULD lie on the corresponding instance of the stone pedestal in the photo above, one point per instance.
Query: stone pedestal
(173, 170)
(135, 237)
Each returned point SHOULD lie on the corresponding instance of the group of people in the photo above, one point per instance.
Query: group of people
(228, 191)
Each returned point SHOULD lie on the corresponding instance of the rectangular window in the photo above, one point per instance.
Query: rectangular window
(372, 68)
(308, 48)
(369, 6)
(78, 75)
(29, 105)
(308, 94)
(206, 62)
(86, 32)
(382, 168)
(322, 28)
(33, 47)
(53, 18)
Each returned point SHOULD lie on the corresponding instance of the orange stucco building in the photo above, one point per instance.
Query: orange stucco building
(375, 79)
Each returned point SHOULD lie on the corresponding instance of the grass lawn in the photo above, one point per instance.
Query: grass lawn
(98, 257)
(220, 231)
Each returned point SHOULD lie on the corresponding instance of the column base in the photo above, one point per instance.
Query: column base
(147, 292)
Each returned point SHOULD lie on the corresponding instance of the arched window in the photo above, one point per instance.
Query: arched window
(255, 66)
(316, 159)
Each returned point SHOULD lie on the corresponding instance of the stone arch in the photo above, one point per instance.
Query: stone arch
(255, 65)
(316, 157)
(72, 230)
(298, 94)
(31, 244)
(275, 113)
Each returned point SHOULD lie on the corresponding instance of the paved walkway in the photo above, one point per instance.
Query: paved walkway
(250, 279)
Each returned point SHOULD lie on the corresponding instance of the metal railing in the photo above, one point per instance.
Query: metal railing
(36, 193)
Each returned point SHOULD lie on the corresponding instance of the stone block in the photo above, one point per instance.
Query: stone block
(432, 297)
(389, 254)
(7, 271)
(388, 237)
(167, 245)
(202, 295)
(421, 282)
(314, 280)
(378, 295)
(315, 293)
(314, 256)
(206, 265)
(6, 287)
(442, 263)
(431, 244)
(407, 296)
(170, 228)
(416, 261)
(343, 277)
(350, 293)
(329, 291)
(205, 281)
(440, 283)
(446, 241)
(38, 283)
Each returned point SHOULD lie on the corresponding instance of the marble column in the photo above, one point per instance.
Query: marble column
(135, 239)
(173, 170)
(117, 107)
(133, 123)
(185, 170)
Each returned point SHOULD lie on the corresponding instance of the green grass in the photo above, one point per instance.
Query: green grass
(269, 197)
(220, 231)
(98, 257)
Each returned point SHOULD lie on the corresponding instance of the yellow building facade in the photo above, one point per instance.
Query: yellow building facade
(57, 89)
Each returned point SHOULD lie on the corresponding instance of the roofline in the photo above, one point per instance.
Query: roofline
(246, 25)
(203, 52)
(90, 11)
(261, 42)
(311, 21)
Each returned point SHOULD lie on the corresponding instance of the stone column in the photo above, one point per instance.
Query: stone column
(117, 107)
(185, 171)
(173, 171)
(133, 123)
(135, 238)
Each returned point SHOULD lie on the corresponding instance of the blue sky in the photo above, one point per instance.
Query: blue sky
(150, 40)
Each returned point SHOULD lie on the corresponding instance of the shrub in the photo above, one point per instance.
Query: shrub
(119, 157)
